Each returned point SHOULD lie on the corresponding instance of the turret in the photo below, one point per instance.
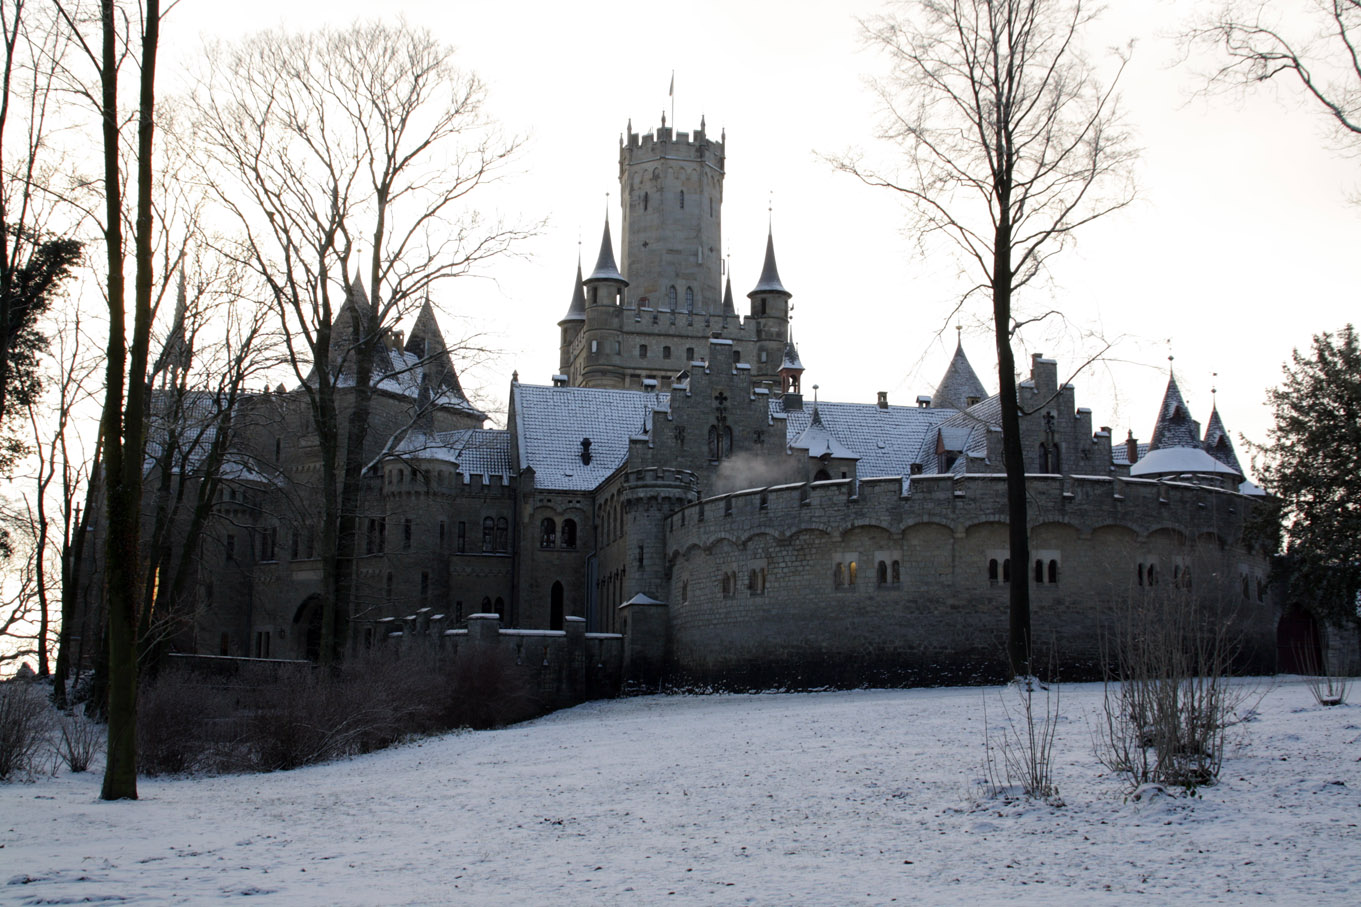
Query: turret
(1175, 427)
(671, 189)
(572, 323)
(604, 291)
(1218, 444)
(959, 387)
(770, 311)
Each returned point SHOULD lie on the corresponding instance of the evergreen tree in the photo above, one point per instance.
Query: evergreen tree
(1313, 464)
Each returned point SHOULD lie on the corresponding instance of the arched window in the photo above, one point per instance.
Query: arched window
(502, 534)
(488, 534)
(727, 440)
(1044, 457)
(1057, 463)
(751, 582)
(486, 604)
(992, 570)
(713, 442)
(1152, 575)
(671, 297)
(569, 533)
(1245, 586)
(1039, 572)
(763, 580)
(896, 573)
(642, 351)
(1141, 574)
(763, 306)
(689, 299)
(645, 201)
(850, 574)
(726, 588)
(685, 590)
(682, 198)
(882, 575)
(500, 606)
(821, 475)
(548, 533)
(838, 576)
(1053, 571)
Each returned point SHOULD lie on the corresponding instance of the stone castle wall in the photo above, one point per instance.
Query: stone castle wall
(785, 585)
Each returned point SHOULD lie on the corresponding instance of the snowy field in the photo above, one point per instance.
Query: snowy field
(833, 798)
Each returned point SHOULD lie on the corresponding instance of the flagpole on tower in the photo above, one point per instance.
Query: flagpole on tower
(671, 93)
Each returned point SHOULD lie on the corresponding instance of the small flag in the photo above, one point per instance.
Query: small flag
(671, 92)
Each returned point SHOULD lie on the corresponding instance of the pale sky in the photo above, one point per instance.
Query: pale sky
(1241, 246)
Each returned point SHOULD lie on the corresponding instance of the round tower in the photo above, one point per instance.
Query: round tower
(600, 353)
(572, 323)
(770, 311)
(671, 190)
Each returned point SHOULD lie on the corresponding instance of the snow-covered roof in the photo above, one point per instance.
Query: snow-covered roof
(958, 384)
(1218, 444)
(550, 423)
(887, 441)
(476, 451)
(1175, 427)
(1169, 461)
(819, 442)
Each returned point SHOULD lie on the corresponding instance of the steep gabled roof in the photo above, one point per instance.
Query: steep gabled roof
(551, 422)
(958, 384)
(1175, 427)
(887, 441)
(770, 275)
(819, 442)
(728, 307)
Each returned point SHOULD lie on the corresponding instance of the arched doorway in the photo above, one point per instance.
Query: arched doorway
(1299, 648)
(555, 607)
(307, 628)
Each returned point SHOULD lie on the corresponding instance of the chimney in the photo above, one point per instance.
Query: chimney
(1131, 448)
(883, 399)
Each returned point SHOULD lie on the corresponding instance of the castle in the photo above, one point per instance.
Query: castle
(673, 501)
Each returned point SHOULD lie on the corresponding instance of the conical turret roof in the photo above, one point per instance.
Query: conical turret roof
(791, 357)
(576, 311)
(728, 307)
(605, 268)
(959, 383)
(1175, 427)
(1218, 444)
(770, 275)
(427, 342)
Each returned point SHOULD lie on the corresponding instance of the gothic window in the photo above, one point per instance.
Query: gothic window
(1053, 571)
(682, 198)
(992, 570)
(486, 604)
(839, 576)
(488, 535)
(752, 581)
(726, 591)
(569, 533)
(897, 573)
(727, 440)
(689, 299)
(671, 297)
(1039, 572)
(500, 605)
(850, 574)
(882, 574)
(821, 475)
(645, 200)
(502, 535)
(548, 533)
(1057, 464)
(1152, 575)
(1044, 457)
(713, 442)
(711, 206)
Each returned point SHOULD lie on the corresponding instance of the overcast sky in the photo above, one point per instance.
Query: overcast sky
(1242, 243)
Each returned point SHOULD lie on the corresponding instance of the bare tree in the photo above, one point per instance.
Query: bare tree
(320, 143)
(1010, 144)
(1314, 43)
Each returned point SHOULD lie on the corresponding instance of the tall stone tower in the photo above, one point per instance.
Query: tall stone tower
(671, 189)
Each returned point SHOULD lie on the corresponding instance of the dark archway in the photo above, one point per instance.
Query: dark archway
(307, 628)
(1299, 645)
(555, 607)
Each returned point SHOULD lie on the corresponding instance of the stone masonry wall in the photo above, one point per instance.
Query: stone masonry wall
(763, 591)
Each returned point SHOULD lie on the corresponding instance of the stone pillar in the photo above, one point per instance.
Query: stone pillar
(645, 635)
(484, 629)
(574, 659)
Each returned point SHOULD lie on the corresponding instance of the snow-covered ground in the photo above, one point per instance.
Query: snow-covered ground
(831, 798)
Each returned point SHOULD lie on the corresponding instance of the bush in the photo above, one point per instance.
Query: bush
(179, 725)
(24, 721)
(1021, 752)
(79, 740)
(1169, 700)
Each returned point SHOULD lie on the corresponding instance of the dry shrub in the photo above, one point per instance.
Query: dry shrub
(184, 724)
(79, 740)
(24, 723)
(1020, 751)
(1169, 699)
(1328, 685)
(486, 689)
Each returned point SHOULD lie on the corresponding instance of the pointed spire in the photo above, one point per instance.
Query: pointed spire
(426, 342)
(576, 311)
(605, 268)
(960, 382)
(1175, 427)
(728, 308)
(1218, 444)
(770, 275)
